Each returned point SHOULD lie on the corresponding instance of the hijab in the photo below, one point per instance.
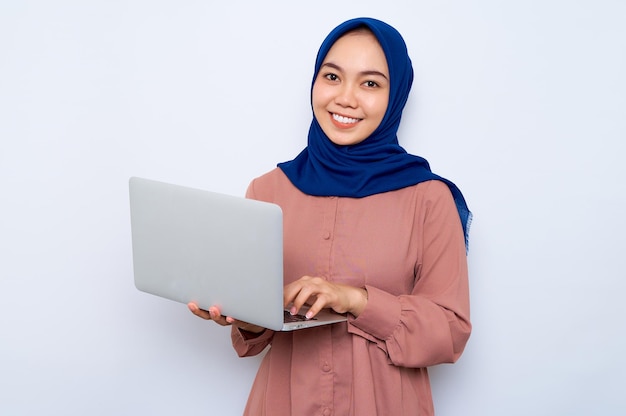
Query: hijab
(378, 163)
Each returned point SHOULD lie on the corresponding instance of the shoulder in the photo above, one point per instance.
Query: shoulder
(429, 190)
(435, 193)
(269, 186)
(434, 189)
(429, 198)
(432, 186)
(437, 204)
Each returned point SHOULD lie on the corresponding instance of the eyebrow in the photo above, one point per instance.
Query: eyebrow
(369, 72)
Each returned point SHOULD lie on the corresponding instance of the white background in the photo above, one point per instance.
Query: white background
(521, 103)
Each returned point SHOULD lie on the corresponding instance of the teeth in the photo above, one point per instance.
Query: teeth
(345, 120)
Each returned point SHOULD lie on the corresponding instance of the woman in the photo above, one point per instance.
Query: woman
(368, 231)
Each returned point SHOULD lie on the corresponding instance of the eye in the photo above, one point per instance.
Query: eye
(331, 77)
(371, 84)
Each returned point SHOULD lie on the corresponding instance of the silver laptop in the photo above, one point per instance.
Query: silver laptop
(213, 249)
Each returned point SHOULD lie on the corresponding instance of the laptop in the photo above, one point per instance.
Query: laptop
(192, 245)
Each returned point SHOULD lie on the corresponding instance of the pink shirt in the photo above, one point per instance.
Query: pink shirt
(406, 247)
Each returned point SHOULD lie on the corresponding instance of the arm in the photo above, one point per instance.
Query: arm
(431, 324)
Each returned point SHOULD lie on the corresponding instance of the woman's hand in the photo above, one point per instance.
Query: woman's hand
(320, 293)
(213, 314)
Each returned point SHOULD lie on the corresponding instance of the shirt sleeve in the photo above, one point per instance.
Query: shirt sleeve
(249, 346)
(431, 324)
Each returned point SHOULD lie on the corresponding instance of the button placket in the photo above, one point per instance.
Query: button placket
(328, 229)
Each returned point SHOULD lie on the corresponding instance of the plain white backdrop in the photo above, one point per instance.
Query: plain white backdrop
(521, 103)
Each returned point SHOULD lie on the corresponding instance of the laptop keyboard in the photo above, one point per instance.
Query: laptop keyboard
(295, 318)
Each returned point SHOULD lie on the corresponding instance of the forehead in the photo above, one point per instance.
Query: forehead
(357, 46)
(361, 37)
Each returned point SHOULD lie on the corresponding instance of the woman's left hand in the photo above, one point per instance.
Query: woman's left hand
(320, 293)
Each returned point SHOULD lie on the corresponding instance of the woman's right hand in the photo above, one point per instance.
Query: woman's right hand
(213, 314)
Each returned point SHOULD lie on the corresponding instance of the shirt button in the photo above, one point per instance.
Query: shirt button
(326, 235)
(326, 368)
(327, 412)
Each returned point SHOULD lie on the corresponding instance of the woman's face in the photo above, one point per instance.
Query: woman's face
(351, 91)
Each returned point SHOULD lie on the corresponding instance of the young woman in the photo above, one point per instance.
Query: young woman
(369, 231)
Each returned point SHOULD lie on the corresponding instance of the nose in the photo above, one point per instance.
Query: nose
(346, 96)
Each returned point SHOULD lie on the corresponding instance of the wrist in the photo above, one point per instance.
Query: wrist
(359, 301)
(248, 334)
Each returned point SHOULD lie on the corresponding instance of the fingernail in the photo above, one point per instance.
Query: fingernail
(308, 315)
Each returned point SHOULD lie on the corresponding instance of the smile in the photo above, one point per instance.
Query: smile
(345, 120)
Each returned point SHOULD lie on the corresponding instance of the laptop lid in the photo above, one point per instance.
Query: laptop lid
(212, 249)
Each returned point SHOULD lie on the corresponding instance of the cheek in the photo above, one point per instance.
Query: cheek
(319, 102)
(377, 108)
(319, 94)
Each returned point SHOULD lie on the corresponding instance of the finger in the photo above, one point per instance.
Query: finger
(198, 312)
(213, 314)
(315, 308)
(298, 299)
(310, 295)
(291, 291)
(305, 290)
(217, 316)
(237, 322)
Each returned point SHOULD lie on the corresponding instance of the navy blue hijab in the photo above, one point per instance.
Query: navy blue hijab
(377, 164)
